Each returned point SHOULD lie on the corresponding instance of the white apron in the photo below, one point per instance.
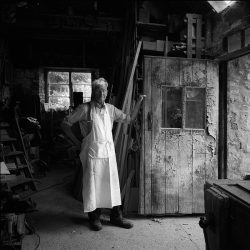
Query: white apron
(100, 187)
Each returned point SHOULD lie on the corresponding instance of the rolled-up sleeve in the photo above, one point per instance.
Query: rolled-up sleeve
(79, 114)
(120, 116)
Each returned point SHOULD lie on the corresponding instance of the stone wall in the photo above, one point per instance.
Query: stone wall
(26, 80)
(224, 23)
(238, 137)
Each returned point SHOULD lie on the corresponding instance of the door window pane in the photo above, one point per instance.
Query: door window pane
(195, 108)
(171, 107)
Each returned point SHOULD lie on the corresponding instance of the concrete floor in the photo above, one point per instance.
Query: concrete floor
(61, 224)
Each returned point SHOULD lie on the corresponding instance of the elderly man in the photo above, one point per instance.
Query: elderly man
(101, 188)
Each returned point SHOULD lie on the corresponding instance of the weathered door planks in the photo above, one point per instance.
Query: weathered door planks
(158, 140)
(199, 170)
(185, 173)
(172, 145)
(147, 139)
(177, 161)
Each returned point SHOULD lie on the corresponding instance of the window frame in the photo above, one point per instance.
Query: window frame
(93, 71)
(183, 106)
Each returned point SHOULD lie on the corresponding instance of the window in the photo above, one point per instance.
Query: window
(65, 88)
(219, 6)
(183, 107)
(171, 107)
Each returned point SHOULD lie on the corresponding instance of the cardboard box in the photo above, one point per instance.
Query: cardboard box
(160, 45)
(147, 45)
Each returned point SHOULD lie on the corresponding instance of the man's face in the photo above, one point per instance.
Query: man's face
(100, 94)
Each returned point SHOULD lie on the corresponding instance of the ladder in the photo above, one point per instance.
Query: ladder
(14, 157)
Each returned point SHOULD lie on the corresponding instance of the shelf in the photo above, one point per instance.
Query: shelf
(152, 26)
(10, 154)
(4, 125)
(13, 180)
(8, 139)
(14, 167)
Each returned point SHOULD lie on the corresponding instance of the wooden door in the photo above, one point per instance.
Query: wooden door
(180, 125)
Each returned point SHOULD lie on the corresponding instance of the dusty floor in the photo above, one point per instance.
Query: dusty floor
(61, 224)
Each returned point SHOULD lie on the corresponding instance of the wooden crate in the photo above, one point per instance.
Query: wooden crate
(227, 210)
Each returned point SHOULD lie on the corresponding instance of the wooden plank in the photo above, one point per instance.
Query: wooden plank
(185, 173)
(123, 163)
(172, 178)
(199, 172)
(119, 148)
(129, 88)
(172, 144)
(245, 185)
(199, 73)
(127, 192)
(189, 37)
(235, 54)
(208, 30)
(166, 47)
(142, 162)
(186, 74)
(212, 99)
(147, 139)
(158, 139)
(236, 192)
(199, 78)
(198, 37)
(172, 67)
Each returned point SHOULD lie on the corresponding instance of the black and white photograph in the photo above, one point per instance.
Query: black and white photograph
(124, 125)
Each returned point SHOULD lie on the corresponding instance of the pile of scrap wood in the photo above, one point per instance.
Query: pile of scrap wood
(124, 142)
(13, 222)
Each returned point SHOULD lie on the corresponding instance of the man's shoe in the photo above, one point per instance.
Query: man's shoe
(117, 219)
(121, 222)
(95, 225)
(94, 220)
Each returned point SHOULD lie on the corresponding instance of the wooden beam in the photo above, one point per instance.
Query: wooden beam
(66, 22)
(23, 33)
(222, 149)
(127, 192)
(234, 54)
(198, 37)
(129, 89)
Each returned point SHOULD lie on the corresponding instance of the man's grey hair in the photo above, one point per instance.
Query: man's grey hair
(99, 82)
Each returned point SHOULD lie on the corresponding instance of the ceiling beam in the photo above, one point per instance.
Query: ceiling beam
(62, 26)
(234, 54)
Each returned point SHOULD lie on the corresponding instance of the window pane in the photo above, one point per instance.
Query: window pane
(58, 90)
(61, 103)
(80, 78)
(85, 89)
(58, 77)
(195, 108)
(171, 107)
(195, 94)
